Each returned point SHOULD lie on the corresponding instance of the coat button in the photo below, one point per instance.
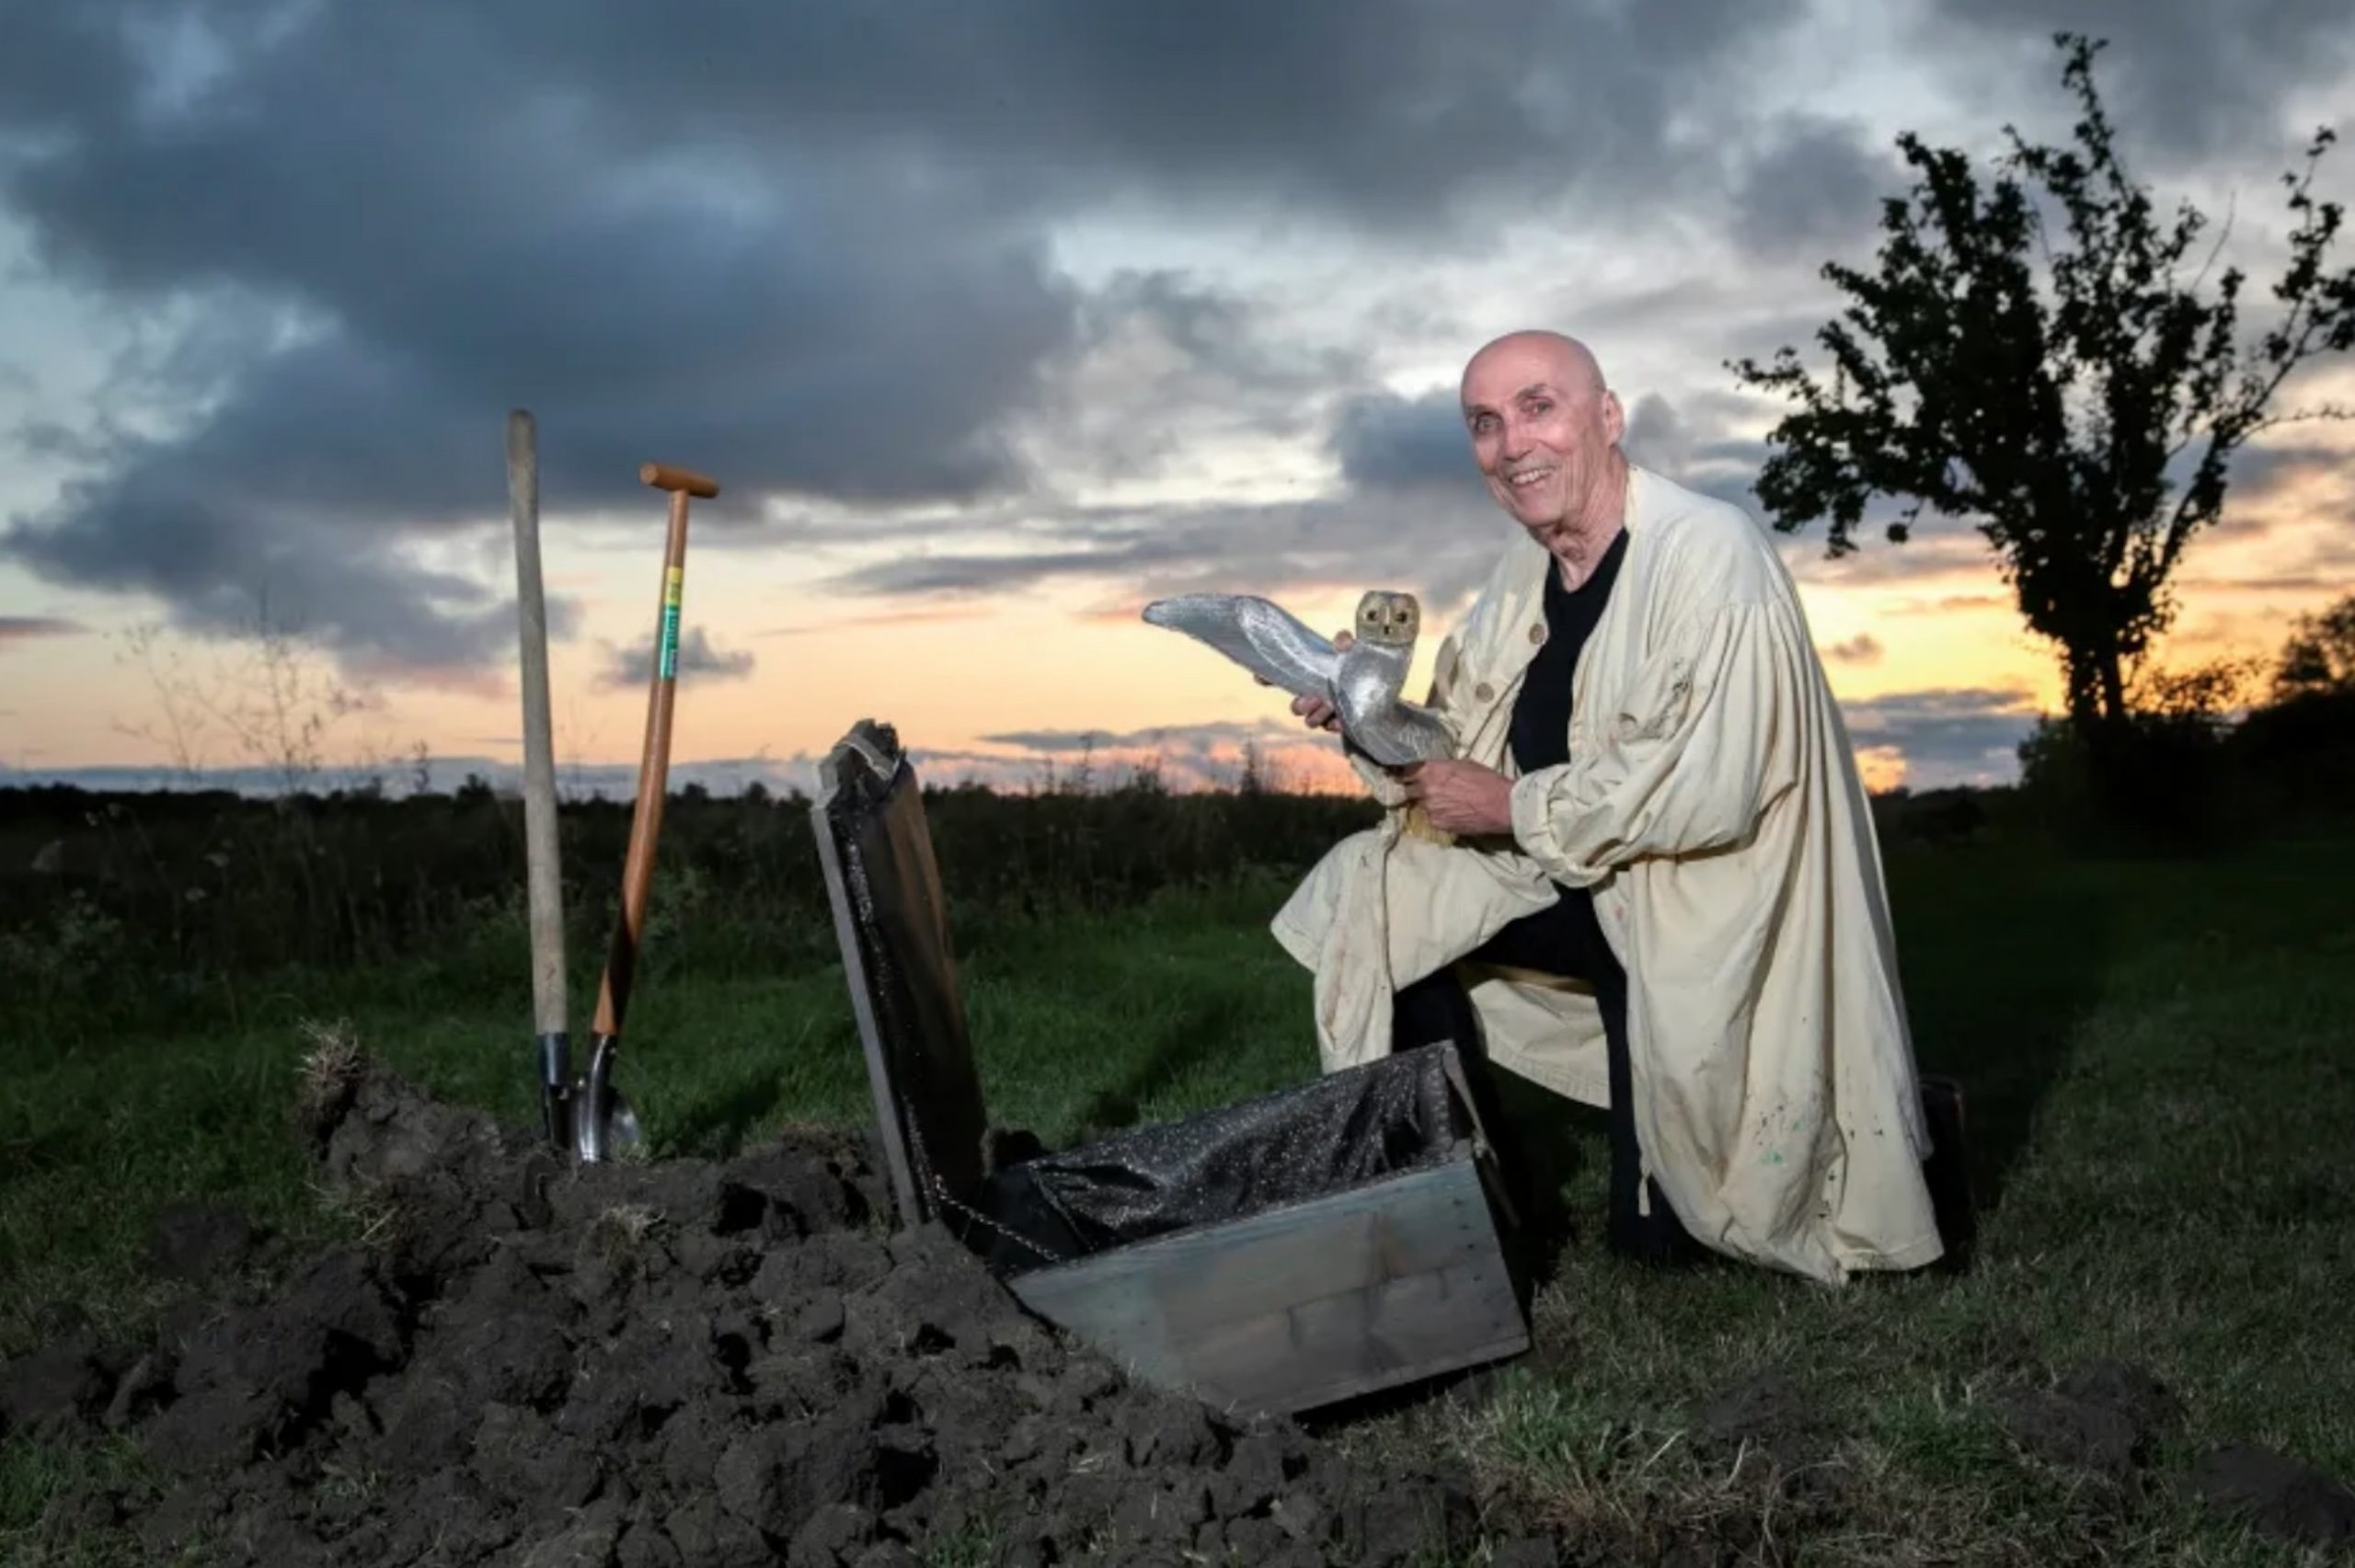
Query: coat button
(1537, 633)
(1485, 692)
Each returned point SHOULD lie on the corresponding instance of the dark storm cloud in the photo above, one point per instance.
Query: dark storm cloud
(1812, 188)
(1214, 333)
(1165, 365)
(1435, 546)
(450, 259)
(322, 456)
(1384, 440)
(1411, 514)
(962, 574)
(1380, 110)
(699, 658)
(800, 248)
(2185, 77)
(1945, 734)
(2261, 472)
(1696, 445)
(60, 60)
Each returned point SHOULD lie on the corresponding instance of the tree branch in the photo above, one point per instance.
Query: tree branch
(2331, 412)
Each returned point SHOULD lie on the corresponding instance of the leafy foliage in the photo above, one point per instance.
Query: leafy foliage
(2051, 386)
(2212, 750)
(2320, 654)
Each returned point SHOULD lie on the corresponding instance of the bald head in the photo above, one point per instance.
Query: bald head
(1569, 363)
(1546, 429)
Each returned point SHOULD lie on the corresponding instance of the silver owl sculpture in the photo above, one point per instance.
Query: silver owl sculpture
(1361, 681)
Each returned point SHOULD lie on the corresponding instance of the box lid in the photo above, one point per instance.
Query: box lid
(891, 922)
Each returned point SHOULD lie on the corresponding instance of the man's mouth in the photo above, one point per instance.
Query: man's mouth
(1529, 476)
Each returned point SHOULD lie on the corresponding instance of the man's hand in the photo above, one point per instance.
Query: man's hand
(1464, 799)
(1315, 712)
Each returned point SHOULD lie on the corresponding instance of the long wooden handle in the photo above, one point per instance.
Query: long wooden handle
(653, 776)
(543, 866)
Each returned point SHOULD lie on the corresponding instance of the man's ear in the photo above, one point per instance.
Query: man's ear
(1615, 417)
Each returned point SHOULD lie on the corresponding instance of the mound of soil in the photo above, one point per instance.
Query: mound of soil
(682, 1363)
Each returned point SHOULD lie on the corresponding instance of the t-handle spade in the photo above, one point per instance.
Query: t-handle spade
(604, 1124)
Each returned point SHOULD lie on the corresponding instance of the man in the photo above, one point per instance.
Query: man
(1655, 885)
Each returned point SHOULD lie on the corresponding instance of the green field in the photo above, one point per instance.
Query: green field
(2160, 1080)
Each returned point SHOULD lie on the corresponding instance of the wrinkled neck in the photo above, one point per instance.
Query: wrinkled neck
(1594, 521)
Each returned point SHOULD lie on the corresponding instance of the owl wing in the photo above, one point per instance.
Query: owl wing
(1261, 636)
(1392, 730)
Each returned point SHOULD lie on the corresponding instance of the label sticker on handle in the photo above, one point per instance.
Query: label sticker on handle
(674, 580)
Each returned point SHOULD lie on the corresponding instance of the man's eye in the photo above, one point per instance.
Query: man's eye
(1539, 406)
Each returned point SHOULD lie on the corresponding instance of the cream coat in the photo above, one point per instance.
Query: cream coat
(1713, 804)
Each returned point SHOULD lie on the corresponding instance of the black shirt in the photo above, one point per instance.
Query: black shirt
(1541, 714)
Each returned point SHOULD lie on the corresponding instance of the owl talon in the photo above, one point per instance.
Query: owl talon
(1415, 822)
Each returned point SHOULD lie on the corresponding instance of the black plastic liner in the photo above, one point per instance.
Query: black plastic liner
(1333, 1133)
(1338, 1132)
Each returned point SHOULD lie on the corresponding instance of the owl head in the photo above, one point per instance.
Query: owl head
(1388, 618)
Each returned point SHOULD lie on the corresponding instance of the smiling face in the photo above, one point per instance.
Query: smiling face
(1545, 429)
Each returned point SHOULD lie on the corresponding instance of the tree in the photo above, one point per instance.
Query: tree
(2319, 655)
(2053, 405)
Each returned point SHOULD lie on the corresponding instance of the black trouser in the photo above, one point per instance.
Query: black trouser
(1563, 939)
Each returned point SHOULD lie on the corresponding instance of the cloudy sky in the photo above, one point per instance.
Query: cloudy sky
(992, 321)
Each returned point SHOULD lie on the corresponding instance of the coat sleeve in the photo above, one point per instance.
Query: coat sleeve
(1706, 739)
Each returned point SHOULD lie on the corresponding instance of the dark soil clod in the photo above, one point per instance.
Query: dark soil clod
(667, 1366)
(53, 1391)
(2132, 1391)
(2102, 1418)
(1769, 1412)
(2069, 1432)
(200, 1242)
(2276, 1493)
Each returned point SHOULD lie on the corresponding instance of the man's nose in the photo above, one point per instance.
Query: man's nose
(1516, 441)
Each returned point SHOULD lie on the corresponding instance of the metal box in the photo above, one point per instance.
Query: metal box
(1278, 1254)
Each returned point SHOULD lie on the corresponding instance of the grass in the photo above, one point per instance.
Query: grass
(2159, 1077)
